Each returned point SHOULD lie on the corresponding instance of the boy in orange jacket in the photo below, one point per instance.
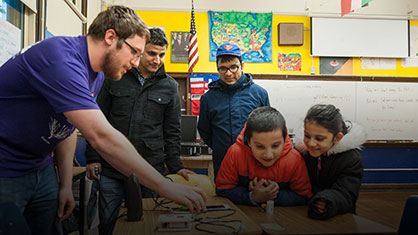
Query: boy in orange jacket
(262, 164)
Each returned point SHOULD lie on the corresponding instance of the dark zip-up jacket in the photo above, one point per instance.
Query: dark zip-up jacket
(224, 109)
(148, 115)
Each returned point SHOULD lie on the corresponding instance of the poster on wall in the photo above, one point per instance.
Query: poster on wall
(250, 31)
(10, 41)
(412, 60)
(289, 62)
(179, 47)
(336, 65)
(199, 86)
(378, 63)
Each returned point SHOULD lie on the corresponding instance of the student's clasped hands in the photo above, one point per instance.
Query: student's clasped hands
(263, 190)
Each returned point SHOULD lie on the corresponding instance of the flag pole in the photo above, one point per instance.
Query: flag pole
(193, 55)
(191, 72)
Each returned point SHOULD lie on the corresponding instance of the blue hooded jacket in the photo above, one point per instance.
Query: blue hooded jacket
(224, 109)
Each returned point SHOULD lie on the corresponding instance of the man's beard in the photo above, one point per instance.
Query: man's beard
(110, 69)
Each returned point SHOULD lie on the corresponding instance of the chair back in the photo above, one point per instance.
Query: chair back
(196, 180)
(409, 221)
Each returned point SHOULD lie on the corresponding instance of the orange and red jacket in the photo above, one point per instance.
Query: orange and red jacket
(239, 167)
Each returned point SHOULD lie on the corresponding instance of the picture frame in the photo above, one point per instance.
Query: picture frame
(290, 34)
(179, 46)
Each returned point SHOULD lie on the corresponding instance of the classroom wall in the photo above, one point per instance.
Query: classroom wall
(376, 8)
(294, 7)
(61, 20)
(93, 8)
(382, 165)
(180, 21)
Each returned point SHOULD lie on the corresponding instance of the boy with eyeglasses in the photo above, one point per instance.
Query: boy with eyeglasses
(224, 109)
(48, 90)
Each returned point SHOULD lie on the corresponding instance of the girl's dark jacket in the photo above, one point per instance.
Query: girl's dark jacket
(339, 179)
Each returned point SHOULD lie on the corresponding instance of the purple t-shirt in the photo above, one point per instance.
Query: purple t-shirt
(36, 86)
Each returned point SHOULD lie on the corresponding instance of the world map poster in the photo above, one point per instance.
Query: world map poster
(250, 31)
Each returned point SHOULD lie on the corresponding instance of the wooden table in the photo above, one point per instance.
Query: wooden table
(79, 173)
(294, 220)
(201, 161)
(149, 224)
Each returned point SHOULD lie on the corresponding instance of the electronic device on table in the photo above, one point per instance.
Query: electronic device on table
(175, 222)
(219, 207)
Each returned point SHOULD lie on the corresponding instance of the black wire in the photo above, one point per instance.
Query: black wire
(219, 224)
(215, 221)
(233, 211)
(161, 203)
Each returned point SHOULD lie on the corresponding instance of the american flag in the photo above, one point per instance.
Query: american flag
(193, 52)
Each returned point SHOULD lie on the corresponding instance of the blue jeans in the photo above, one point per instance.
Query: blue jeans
(36, 196)
(111, 195)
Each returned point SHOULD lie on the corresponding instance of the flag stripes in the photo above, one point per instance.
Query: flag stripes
(193, 51)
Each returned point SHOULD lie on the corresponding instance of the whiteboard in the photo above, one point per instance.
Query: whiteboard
(387, 110)
(353, 37)
(294, 98)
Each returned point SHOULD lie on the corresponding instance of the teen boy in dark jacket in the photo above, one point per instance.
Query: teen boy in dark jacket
(224, 109)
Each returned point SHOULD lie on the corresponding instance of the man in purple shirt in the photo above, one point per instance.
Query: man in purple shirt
(48, 90)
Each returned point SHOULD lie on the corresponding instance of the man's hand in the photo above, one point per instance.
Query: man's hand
(192, 197)
(184, 173)
(90, 170)
(65, 203)
(265, 190)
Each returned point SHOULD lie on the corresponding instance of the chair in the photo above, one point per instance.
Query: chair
(197, 180)
(409, 221)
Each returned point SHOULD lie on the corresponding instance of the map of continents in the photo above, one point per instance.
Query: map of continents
(250, 31)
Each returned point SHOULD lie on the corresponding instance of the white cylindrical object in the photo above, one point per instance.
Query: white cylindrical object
(270, 207)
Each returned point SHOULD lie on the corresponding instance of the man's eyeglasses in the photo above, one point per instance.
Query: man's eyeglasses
(234, 68)
(135, 53)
